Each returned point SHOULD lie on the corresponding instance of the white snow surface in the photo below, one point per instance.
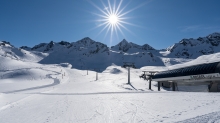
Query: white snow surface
(200, 60)
(56, 93)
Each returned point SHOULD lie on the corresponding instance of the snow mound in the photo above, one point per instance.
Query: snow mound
(66, 65)
(24, 74)
(17, 75)
(200, 60)
(115, 71)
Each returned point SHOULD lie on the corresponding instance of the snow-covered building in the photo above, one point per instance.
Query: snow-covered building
(201, 74)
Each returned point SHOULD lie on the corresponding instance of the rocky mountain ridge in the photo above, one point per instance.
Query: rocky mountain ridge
(87, 53)
(123, 46)
(192, 48)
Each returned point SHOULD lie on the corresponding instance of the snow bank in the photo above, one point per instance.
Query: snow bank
(65, 65)
(18, 76)
(200, 60)
(115, 71)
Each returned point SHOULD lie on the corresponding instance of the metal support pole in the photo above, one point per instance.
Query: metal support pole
(173, 86)
(129, 75)
(96, 75)
(144, 75)
(158, 86)
(150, 83)
(87, 72)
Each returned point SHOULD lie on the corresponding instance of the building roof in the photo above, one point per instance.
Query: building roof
(191, 70)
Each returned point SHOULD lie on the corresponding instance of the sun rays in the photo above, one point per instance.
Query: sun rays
(113, 17)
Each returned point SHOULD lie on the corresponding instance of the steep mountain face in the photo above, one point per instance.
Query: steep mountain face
(192, 48)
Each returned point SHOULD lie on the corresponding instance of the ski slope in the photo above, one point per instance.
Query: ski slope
(36, 93)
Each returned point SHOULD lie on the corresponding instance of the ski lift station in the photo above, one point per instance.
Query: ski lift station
(202, 74)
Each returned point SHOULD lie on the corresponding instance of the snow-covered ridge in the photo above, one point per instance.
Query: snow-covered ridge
(89, 54)
(8, 50)
(86, 42)
(129, 47)
(192, 48)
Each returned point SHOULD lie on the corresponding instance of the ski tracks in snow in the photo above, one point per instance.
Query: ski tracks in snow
(115, 110)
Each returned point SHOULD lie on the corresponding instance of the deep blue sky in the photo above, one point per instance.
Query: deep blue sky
(160, 23)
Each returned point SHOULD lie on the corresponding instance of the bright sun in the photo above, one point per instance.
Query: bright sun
(113, 19)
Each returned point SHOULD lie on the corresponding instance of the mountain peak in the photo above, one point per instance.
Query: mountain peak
(214, 35)
(192, 48)
(64, 43)
(124, 40)
(123, 43)
(86, 41)
(125, 46)
(5, 43)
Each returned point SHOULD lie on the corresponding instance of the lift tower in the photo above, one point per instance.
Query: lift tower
(128, 65)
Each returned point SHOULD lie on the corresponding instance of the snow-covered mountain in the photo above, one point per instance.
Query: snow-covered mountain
(8, 50)
(48, 47)
(193, 48)
(55, 93)
(89, 54)
(129, 47)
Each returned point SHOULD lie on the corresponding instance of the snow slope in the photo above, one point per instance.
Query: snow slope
(200, 60)
(17, 75)
(32, 92)
(60, 90)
